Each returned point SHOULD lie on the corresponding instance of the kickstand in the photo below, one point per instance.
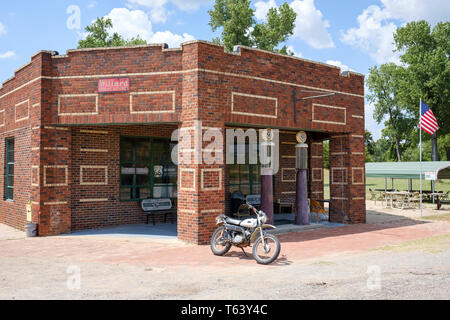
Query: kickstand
(244, 252)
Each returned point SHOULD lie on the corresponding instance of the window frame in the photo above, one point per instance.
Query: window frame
(253, 179)
(150, 164)
(8, 186)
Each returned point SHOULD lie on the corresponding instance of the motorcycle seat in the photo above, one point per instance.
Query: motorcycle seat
(236, 222)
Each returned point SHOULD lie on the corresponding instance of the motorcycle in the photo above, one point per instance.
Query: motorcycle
(242, 233)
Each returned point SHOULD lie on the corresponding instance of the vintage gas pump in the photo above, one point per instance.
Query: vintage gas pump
(267, 174)
(301, 194)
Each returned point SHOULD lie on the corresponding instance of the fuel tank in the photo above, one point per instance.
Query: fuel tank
(249, 223)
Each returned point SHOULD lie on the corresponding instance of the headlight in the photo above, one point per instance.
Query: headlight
(264, 218)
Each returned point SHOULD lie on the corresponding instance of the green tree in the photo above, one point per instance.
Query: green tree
(99, 36)
(385, 84)
(239, 27)
(426, 54)
(326, 154)
(381, 146)
(369, 146)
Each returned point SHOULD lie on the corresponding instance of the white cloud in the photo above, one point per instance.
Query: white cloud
(310, 25)
(157, 8)
(373, 36)
(7, 55)
(339, 64)
(376, 26)
(173, 40)
(296, 54)
(262, 8)
(409, 10)
(2, 29)
(92, 4)
(133, 23)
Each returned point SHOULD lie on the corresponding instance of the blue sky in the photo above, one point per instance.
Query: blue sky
(354, 35)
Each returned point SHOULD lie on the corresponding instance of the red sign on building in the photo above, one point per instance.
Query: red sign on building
(114, 85)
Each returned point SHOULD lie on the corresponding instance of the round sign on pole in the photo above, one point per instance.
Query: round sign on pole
(267, 135)
(301, 137)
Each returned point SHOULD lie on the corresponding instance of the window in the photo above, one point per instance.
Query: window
(245, 177)
(146, 169)
(9, 170)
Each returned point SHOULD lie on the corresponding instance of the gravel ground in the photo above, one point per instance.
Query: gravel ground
(59, 268)
(409, 274)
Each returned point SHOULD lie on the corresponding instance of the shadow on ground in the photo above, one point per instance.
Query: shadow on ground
(376, 221)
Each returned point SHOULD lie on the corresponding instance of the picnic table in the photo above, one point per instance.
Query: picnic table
(399, 195)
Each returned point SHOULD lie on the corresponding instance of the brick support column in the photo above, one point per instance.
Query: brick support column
(55, 191)
(316, 171)
(201, 182)
(347, 179)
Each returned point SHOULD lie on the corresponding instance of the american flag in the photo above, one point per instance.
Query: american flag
(428, 121)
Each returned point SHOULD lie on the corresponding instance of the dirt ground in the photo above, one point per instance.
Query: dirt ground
(396, 255)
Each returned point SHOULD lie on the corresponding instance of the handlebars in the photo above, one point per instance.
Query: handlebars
(252, 207)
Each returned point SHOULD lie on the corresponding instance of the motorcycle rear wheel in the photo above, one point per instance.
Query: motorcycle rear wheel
(273, 245)
(216, 248)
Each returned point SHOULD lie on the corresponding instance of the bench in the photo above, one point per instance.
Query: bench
(282, 204)
(152, 207)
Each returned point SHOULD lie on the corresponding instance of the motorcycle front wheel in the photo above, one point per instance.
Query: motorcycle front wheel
(219, 246)
(269, 252)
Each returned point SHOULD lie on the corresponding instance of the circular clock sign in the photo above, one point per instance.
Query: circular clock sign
(267, 135)
(301, 137)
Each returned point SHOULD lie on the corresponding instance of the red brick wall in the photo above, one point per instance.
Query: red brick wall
(19, 114)
(13, 213)
(95, 202)
(200, 81)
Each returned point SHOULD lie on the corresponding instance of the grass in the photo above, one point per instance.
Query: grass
(431, 244)
(439, 217)
(323, 263)
(399, 184)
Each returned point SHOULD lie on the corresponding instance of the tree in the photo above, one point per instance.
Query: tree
(99, 36)
(385, 84)
(380, 154)
(369, 146)
(326, 154)
(239, 27)
(426, 53)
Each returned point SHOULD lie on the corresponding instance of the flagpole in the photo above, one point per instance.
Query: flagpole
(420, 145)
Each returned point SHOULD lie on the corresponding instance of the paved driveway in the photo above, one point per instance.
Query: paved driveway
(321, 263)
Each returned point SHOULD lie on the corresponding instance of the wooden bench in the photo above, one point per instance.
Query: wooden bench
(152, 207)
(280, 204)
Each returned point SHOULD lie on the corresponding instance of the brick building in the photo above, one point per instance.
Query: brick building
(84, 158)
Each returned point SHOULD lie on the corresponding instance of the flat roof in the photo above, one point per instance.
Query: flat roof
(407, 170)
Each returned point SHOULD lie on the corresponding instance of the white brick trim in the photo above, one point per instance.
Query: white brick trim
(257, 97)
(330, 107)
(77, 113)
(171, 92)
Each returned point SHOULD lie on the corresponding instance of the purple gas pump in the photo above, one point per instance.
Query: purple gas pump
(267, 175)
(301, 194)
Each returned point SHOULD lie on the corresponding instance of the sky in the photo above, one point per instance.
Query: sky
(352, 34)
